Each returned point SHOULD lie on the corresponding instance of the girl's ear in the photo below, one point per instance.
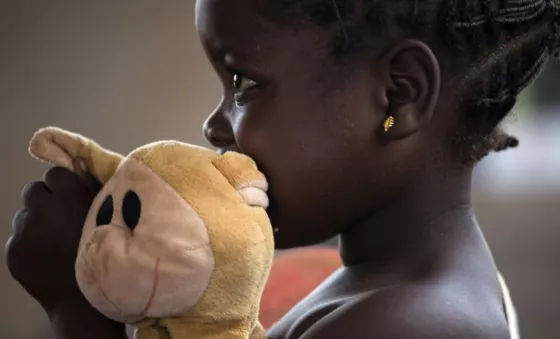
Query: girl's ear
(59, 147)
(242, 173)
(413, 88)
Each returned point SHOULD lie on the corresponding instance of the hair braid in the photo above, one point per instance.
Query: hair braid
(500, 45)
(518, 37)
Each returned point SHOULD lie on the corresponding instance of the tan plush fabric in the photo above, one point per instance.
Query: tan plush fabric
(60, 147)
(116, 267)
(196, 262)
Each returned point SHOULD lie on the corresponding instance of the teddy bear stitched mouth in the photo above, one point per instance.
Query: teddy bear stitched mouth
(154, 288)
(143, 314)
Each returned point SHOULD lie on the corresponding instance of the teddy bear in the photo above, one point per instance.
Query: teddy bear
(177, 242)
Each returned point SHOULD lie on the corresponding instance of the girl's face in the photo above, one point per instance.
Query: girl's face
(312, 129)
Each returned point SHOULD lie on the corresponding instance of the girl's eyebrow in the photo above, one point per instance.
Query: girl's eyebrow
(225, 52)
(219, 52)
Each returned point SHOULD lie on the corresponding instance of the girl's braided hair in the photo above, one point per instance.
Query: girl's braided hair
(499, 46)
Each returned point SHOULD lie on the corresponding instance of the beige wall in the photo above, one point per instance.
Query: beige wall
(131, 71)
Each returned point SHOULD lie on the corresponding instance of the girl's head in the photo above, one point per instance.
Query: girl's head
(308, 85)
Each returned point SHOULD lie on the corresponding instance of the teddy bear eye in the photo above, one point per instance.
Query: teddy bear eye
(131, 209)
(105, 213)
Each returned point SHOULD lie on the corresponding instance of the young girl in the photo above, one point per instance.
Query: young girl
(367, 116)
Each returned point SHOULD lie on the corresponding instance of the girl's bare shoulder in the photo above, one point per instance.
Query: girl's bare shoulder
(410, 310)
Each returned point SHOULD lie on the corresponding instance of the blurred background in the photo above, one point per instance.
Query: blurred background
(131, 72)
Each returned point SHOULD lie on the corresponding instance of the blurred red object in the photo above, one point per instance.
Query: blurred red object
(294, 275)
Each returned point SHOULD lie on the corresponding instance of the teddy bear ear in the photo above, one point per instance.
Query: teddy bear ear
(59, 147)
(254, 193)
(242, 173)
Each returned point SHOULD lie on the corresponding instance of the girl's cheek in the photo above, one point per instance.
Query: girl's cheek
(252, 123)
(245, 129)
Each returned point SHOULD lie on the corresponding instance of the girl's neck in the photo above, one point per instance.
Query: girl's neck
(416, 226)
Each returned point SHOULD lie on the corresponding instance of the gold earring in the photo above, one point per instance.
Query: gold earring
(389, 122)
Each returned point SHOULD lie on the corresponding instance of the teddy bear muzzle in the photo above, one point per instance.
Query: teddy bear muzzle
(137, 274)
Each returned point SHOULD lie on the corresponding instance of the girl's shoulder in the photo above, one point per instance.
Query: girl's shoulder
(443, 309)
(414, 312)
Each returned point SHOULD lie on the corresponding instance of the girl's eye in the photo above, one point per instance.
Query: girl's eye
(242, 83)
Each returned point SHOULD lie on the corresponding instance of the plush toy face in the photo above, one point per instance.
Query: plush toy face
(177, 230)
(144, 251)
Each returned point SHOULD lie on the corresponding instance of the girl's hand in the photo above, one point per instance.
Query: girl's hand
(46, 233)
(42, 251)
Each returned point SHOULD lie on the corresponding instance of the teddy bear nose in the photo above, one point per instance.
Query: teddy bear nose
(131, 209)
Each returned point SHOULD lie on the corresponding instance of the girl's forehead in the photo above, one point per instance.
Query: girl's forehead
(239, 25)
(228, 17)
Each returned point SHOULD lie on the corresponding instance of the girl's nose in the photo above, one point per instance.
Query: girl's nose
(218, 131)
